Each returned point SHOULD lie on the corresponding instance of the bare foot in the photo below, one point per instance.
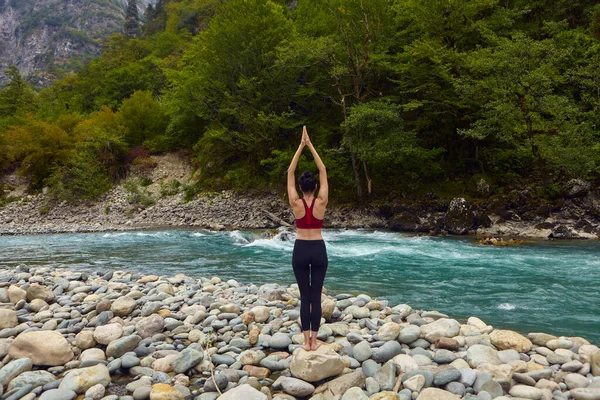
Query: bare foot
(306, 346)
(314, 346)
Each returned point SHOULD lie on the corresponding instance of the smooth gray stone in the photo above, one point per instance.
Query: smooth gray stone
(446, 376)
(91, 363)
(142, 393)
(354, 337)
(484, 396)
(143, 350)
(386, 376)
(280, 341)
(524, 379)
(420, 343)
(409, 334)
(415, 319)
(455, 387)
(208, 396)
(405, 394)
(481, 379)
(142, 371)
(221, 380)
(14, 369)
(420, 351)
(222, 359)
(542, 373)
(187, 359)
(386, 352)
(468, 376)
(18, 393)
(372, 386)
(114, 365)
(293, 314)
(362, 351)
(272, 365)
(161, 377)
(241, 343)
(129, 360)
(51, 385)
(370, 367)
(119, 347)
(426, 374)
(34, 378)
(444, 356)
(58, 394)
(493, 388)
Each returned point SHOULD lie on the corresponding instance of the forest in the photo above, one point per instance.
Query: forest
(400, 97)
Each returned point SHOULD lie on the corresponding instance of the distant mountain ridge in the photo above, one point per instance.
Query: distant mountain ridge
(44, 37)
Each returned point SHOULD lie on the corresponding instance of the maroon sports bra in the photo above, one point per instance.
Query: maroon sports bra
(309, 221)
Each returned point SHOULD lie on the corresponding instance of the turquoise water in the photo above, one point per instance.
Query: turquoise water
(548, 287)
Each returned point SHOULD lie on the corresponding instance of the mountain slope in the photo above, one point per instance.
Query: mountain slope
(44, 37)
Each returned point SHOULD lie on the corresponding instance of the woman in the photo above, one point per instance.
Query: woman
(309, 259)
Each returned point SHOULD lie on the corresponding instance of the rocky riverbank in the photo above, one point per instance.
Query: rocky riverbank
(158, 199)
(234, 210)
(123, 336)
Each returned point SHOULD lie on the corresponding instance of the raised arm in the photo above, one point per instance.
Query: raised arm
(291, 175)
(323, 185)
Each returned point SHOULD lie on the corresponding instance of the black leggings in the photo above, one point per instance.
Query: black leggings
(310, 265)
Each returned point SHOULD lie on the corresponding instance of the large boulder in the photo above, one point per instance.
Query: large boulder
(577, 188)
(37, 291)
(313, 366)
(105, 334)
(149, 326)
(123, 306)
(80, 380)
(481, 354)
(510, 340)
(389, 331)
(443, 327)
(460, 217)
(8, 319)
(404, 222)
(16, 294)
(42, 347)
(338, 386)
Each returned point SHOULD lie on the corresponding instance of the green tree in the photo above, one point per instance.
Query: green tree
(17, 96)
(516, 84)
(375, 132)
(143, 117)
(351, 37)
(132, 19)
(229, 95)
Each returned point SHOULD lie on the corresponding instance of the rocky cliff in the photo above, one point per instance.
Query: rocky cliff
(43, 37)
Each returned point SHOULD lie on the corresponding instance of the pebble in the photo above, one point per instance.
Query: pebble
(159, 336)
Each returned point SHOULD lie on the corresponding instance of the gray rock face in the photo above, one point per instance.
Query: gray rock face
(460, 216)
(21, 47)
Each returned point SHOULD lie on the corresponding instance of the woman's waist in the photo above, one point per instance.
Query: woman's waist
(309, 234)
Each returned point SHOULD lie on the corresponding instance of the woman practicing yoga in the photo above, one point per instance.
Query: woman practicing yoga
(309, 259)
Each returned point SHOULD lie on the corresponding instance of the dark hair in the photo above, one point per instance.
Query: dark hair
(308, 182)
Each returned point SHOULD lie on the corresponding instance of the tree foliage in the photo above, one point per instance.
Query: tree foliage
(395, 93)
